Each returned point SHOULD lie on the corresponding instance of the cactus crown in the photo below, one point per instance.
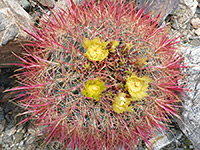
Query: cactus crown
(100, 74)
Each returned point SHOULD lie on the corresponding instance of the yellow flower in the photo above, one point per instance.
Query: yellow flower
(114, 45)
(137, 87)
(96, 49)
(93, 89)
(121, 103)
(96, 53)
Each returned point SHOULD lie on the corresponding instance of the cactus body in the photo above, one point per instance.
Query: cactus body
(100, 75)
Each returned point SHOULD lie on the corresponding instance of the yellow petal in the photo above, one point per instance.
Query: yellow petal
(97, 41)
(114, 45)
(121, 103)
(86, 43)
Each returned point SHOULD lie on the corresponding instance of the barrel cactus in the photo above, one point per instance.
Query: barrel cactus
(100, 75)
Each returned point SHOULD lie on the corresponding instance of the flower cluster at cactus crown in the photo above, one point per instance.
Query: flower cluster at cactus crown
(137, 87)
(100, 75)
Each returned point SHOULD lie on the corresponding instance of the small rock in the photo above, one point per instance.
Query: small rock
(195, 23)
(10, 34)
(12, 18)
(23, 131)
(155, 6)
(2, 125)
(195, 42)
(6, 140)
(3, 22)
(12, 145)
(198, 9)
(8, 107)
(0, 142)
(31, 131)
(191, 4)
(25, 4)
(30, 140)
(10, 125)
(6, 97)
(11, 131)
(31, 147)
(162, 140)
(18, 137)
(185, 12)
(1, 114)
(19, 128)
(174, 23)
(191, 147)
(197, 32)
(7, 114)
(21, 143)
